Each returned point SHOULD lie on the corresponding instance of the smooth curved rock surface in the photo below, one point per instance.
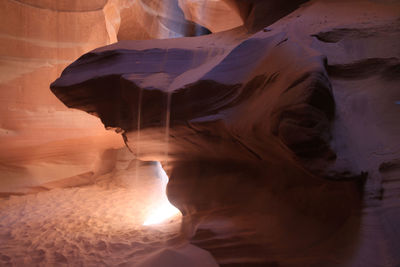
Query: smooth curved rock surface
(217, 15)
(258, 122)
(251, 129)
(150, 19)
(41, 140)
(67, 6)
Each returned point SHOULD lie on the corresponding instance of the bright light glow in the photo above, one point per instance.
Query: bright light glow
(165, 209)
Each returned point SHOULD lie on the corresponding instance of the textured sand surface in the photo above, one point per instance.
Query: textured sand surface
(97, 225)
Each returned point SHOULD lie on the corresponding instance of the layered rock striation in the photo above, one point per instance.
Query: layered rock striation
(270, 138)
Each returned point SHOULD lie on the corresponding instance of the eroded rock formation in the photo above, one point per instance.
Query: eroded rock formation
(250, 131)
(202, 95)
(281, 137)
(39, 135)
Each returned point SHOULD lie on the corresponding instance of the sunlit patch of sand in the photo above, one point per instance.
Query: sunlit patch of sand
(95, 225)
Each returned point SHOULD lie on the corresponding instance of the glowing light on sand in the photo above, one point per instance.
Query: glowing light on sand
(165, 210)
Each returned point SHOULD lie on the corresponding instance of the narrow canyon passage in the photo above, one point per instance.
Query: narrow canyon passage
(200, 133)
(123, 219)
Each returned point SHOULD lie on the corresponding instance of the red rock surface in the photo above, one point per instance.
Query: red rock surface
(280, 137)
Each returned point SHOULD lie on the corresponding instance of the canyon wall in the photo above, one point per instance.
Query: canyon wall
(280, 137)
(264, 134)
(43, 143)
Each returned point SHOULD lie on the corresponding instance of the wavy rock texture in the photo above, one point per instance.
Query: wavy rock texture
(149, 19)
(41, 140)
(281, 143)
(216, 16)
(268, 138)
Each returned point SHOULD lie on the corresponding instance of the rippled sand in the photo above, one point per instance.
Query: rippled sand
(97, 225)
